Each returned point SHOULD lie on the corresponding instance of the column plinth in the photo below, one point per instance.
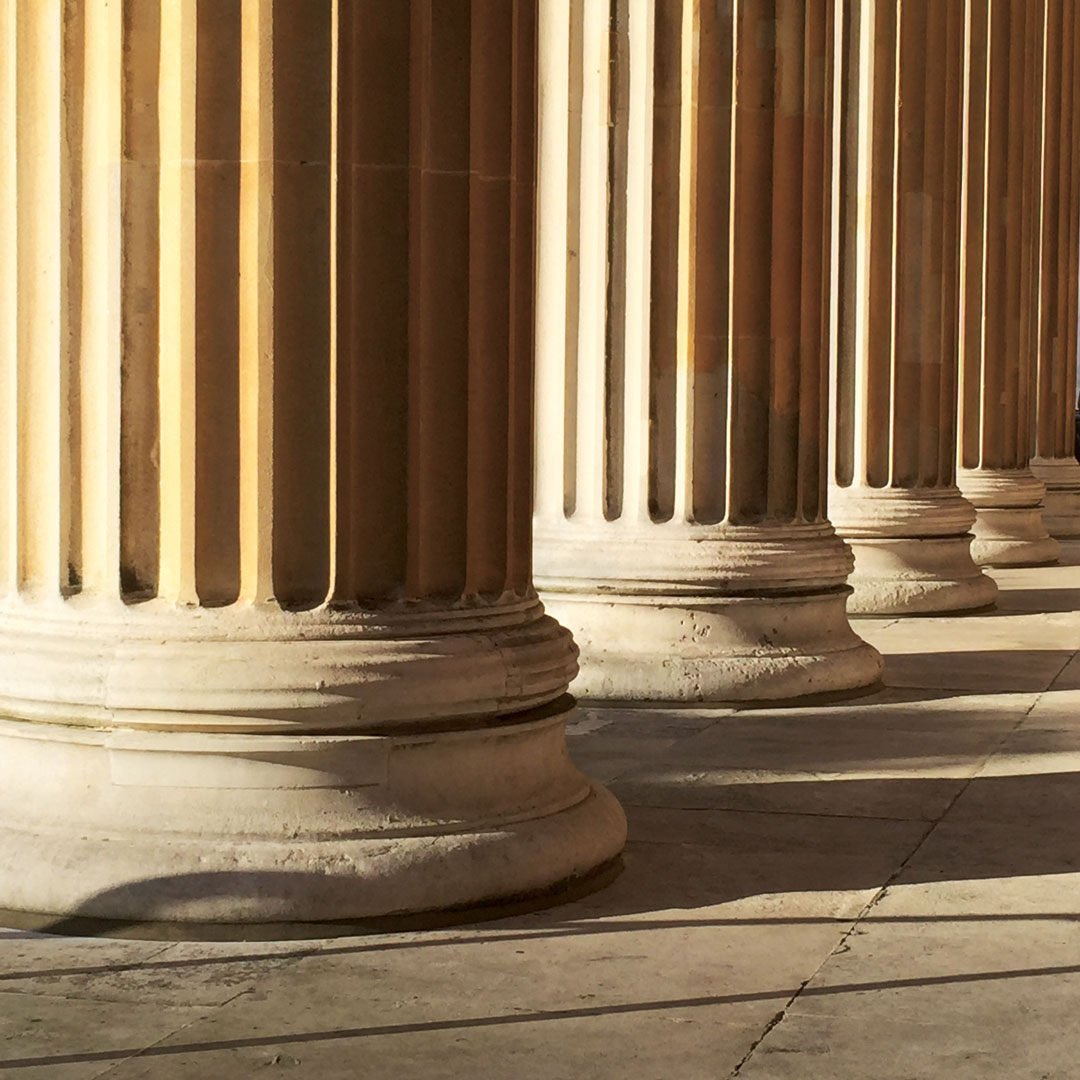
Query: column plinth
(912, 550)
(999, 280)
(269, 646)
(1060, 477)
(675, 613)
(1009, 530)
(893, 493)
(680, 524)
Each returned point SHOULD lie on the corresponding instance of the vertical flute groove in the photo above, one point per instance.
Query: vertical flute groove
(636, 297)
(176, 298)
(257, 281)
(553, 259)
(9, 295)
(100, 332)
(591, 426)
(42, 327)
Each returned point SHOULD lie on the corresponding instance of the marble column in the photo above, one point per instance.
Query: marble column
(269, 648)
(1055, 461)
(893, 493)
(999, 279)
(681, 405)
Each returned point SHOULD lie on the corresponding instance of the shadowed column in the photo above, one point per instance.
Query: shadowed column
(1000, 208)
(269, 647)
(1055, 462)
(682, 321)
(893, 494)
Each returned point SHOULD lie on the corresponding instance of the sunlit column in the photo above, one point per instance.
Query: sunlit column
(999, 259)
(893, 491)
(682, 321)
(1055, 461)
(269, 647)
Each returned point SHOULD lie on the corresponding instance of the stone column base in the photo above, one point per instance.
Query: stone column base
(715, 648)
(677, 612)
(917, 575)
(1009, 528)
(912, 550)
(246, 828)
(1061, 507)
(202, 766)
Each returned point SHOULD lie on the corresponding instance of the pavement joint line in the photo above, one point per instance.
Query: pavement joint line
(880, 894)
(113, 1066)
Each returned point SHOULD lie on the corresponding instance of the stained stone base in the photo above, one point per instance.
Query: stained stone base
(1061, 507)
(715, 649)
(1009, 528)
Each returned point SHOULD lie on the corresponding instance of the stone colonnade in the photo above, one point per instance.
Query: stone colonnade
(268, 643)
(735, 199)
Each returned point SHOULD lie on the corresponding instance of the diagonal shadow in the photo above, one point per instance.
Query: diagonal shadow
(586, 1012)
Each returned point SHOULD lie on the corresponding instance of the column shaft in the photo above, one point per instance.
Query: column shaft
(1001, 199)
(684, 219)
(1055, 461)
(897, 151)
(269, 647)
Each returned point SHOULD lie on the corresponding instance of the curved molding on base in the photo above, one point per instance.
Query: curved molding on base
(1061, 507)
(256, 668)
(915, 576)
(912, 550)
(903, 513)
(1013, 537)
(714, 648)
(183, 826)
(1009, 528)
(685, 559)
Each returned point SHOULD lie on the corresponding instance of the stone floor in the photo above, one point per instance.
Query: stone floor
(884, 888)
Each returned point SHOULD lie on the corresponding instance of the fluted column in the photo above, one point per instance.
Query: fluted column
(1055, 461)
(681, 403)
(999, 279)
(893, 493)
(269, 647)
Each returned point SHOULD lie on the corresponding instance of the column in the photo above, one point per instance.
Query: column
(999, 279)
(269, 648)
(893, 493)
(682, 332)
(1055, 461)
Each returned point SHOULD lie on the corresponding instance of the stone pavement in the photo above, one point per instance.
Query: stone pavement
(883, 888)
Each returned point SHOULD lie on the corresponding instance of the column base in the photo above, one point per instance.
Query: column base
(249, 764)
(1061, 507)
(1009, 528)
(917, 576)
(199, 827)
(715, 648)
(912, 550)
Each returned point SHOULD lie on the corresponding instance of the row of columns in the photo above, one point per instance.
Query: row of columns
(269, 643)
(857, 227)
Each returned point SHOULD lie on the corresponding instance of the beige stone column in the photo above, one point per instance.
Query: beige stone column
(1055, 462)
(999, 280)
(268, 643)
(682, 320)
(893, 493)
